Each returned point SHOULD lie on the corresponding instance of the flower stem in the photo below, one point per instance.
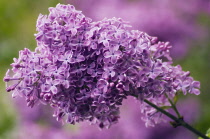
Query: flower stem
(177, 120)
(173, 106)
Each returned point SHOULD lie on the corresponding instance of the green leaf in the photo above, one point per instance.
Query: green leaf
(165, 107)
(175, 99)
(207, 134)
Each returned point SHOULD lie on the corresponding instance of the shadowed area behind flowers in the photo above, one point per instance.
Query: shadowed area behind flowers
(130, 125)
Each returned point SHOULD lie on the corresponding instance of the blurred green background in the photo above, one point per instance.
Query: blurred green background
(17, 28)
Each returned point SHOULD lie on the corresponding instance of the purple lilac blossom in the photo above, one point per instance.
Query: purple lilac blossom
(130, 124)
(175, 21)
(123, 62)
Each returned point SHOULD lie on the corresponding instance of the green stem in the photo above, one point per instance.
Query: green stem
(177, 120)
(173, 106)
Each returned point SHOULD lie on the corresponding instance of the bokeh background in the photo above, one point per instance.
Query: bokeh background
(185, 24)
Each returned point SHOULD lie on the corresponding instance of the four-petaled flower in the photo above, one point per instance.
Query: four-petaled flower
(103, 85)
(50, 85)
(76, 58)
(113, 53)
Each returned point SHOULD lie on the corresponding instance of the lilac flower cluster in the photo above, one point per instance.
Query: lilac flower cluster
(86, 69)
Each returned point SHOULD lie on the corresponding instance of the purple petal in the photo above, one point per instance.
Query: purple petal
(80, 58)
(106, 43)
(107, 54)
(196, 84)
(113, 59)
(118, 53)
(195, 91)
(73, 31)
(54, 89)
(46, 88)
(56, 82)
(66, 84)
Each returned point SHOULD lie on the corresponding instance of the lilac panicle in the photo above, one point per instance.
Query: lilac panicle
(85, 69)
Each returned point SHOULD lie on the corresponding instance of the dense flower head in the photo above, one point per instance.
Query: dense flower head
(86, 69)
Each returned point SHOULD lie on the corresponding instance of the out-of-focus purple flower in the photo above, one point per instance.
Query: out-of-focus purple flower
(35, 131)
(131, 126)
(38, 114)
(190, 110)
(174, 21)
(57, 73)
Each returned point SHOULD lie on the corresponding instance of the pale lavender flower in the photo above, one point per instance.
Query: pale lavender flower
(50, 86)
